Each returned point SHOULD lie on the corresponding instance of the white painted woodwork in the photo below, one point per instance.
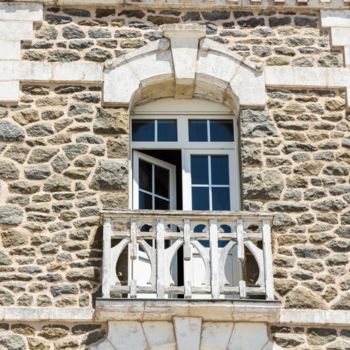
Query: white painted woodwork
(106, 261)
(210, 282)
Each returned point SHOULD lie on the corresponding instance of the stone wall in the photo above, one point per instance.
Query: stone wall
(301, 337)
(63, 157)
(45, 336)
(302, 143)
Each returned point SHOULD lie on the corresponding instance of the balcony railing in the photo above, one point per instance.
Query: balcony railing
(191, 255)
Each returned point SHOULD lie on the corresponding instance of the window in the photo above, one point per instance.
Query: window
(185, 145)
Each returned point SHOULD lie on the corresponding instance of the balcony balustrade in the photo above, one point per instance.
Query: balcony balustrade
(187, 254)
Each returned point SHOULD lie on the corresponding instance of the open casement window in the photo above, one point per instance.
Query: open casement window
(184, 157)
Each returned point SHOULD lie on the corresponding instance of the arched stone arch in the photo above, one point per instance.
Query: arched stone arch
(184, 64)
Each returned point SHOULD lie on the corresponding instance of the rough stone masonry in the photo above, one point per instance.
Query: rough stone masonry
(64, 157)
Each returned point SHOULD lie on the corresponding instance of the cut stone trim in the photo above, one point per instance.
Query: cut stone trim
(339, 23)
(215, 4)
(186, 68)
(300, 77)
(185, 333)
(37, 314)
(16, 24)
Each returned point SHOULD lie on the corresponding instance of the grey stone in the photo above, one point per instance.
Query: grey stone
(80, 108)
(74, 150)
(63, 56)
(80, 44)
(99, 33)
(110, 175)
(287, 207)
(279, 21)
(343, 303)
(12, 342)
(72, 32)
(321, 336)
(216, 15)
(251, 153)
(24, 187)
(40, 172)
(40, 130)
(104, 12)
(64, 289)
(311, 252)
(336, 169)
(60, 163)
(257, 123)
(339, 245)
(251, 22)
(329, 205)
(98, 55)
(8, 170)
(10, 131)
(55, 19)
(314, 193)
(10, 215)
(42, 155)
(4, 259)
(57, 184)
(76, 12)
(302, 298)
(262, 185)
(111, 121)
(90, 139)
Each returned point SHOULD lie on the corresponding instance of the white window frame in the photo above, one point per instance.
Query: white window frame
(187, 148)
(187, 179)
(172, 178)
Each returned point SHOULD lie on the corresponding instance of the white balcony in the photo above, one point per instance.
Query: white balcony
(187, 255)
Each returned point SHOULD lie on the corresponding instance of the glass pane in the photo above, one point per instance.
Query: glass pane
(197, 130)
(145, 200)
(145, 175)
(200, 198)
(199, 170)
(167, 130)
(219, 170)
(143, 130)
(221, 198)
(161, 181)
(161, 203)
(221, 130)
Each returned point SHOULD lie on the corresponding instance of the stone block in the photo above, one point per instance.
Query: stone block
(16, 30)
(83, 72)
(188, 332)
(10, 49)
(21, 12)
(331, 18)
(340, 36)
(9, 91)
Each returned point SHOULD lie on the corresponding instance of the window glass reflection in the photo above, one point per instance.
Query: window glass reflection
(143, 130)
(161, 181)
(221, 130)
(221, 198)
(219, 170)
(197, 130)
(199, 170)
(167, 130)
(200, 198)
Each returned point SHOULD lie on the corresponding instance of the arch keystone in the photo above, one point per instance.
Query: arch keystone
(184, 41)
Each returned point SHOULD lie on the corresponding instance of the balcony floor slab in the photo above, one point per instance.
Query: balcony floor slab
(220, 310)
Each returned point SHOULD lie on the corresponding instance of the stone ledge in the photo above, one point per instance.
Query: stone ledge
(45, 314)
(321, 317)
(193, 4)
(166, 310)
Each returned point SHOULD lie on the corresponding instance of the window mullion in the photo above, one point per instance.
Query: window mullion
(210, 184)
